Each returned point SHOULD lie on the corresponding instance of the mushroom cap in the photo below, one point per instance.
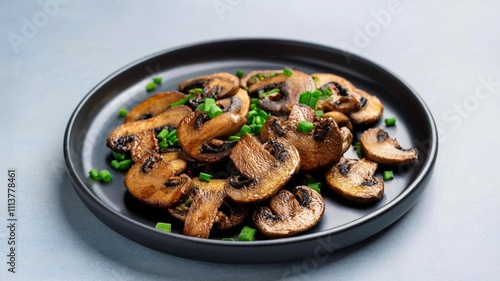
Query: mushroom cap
(346, 139)
(201, 138)
(343, 97)
(153, 106)
(239, 103)
(369, 112)
(204, 209)
(354, 180)
(263, 168)
(143, 144)
(340, 118)
(251, 77)
(155, 180)
(290, 213)
(318, 148)
(290, 89)
(379, 147)
(217, 85)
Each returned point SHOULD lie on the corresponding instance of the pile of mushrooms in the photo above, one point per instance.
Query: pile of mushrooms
(261, 184)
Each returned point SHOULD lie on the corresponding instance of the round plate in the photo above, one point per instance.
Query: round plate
(343, 223)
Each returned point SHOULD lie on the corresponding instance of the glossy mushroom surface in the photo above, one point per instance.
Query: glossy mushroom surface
(379, 147)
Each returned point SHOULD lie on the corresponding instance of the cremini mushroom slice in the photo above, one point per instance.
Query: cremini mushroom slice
(217, 86)
(318, 148)
(370, 110)
(122, 137)
(143, 144)
(153, 106)
(255, 76)
(354, 180)
(205, 139)
(287, 93)
(239, 103)
(263, 168)
(346, 139)
(157, 180)
(340, 118)
(204, 209)
(290, 213)
(343, 97)
(230, 215)
(379, 147)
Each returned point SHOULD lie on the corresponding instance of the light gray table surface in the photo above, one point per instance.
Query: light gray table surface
(52, 54)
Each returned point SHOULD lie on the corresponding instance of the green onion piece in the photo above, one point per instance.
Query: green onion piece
(167, 227)
(254, 101)
(288, 72)
(327, 93)
(359, 150)
(163, 144)
(305, 126)
(304, 97)
(126, 164)
(189, 201)
(163, 134)
(119, 155)
(319, 113)
(209, 102)
(115, 164)
(245, 129)
(315, 186)
(157, 80)
(233, 138)
(151, 87)
(256, 129)
(316, 93)
(182, 101)
(240, 73)
(105, 176)
(263, 115)
(122, 112)
(201, 107)
(196, 91)
(172, 133)
(271, 92)
(94, 174)
(252, 113)
(387, 175)
(389, 122)
(228, 239)
(254, 107)
(258, 121)
(313, 101)
(214, 111)
(205, 177)
(247, 234)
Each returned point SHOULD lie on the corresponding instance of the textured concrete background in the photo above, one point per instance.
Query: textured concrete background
(52, 53)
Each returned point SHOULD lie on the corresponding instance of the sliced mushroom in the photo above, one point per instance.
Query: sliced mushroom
(342, 99)
(318, 148)
(369, 112)
(203, 210)
(144, 144)
(239, 103)
(217, 85)
(354, 180)
(230, 215)
(340, 118)
(255, 76)
(153, 106)
(204, 139)
(290, 213)
(290, 88)
(346, 139)
(263, 169)
(379, 147)
(156, 180)
(122, 137)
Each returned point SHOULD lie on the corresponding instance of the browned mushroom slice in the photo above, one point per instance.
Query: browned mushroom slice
(180, 210)
(263, 169)
(153, 106)
(354, 180)
(156, 181)
(230, 215)
(289, 90)
(255, 76)
(204, 139)
(343, 97)
(340, 118)
(239, 103)
(369, 112)
(346, 139)
(217, 85)
(318, 148)
(144, 143)
(122, 137)
(290, 213)
(379, 147)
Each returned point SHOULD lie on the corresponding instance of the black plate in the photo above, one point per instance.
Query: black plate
(342, 225)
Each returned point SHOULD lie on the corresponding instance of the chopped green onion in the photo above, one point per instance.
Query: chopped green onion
(257, 121)
(252, 113)
(157, 80)
(172, 134)
(240, 73)
(263, 115)
(119, 155)
(387, 175)
(247, 234)
(271, 92)
(233, 138)
(94, 174)
(205, 177)
(288, 72)
(196, 91)
(125, 164)
(315, 186)
(319, 113)
(122, 112)
(256, 129)
(327, 93)
(105, 176)
(163, 144)
(254, 101)
(163, 134)
(214, 111)
(245, 129)
(304, 97)
(228, 239)
(115, 164)
(151, 87)
(167, 227)
(182, 101)
(389, 122)
(189, 201)
(305, 126)
(359, 150)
